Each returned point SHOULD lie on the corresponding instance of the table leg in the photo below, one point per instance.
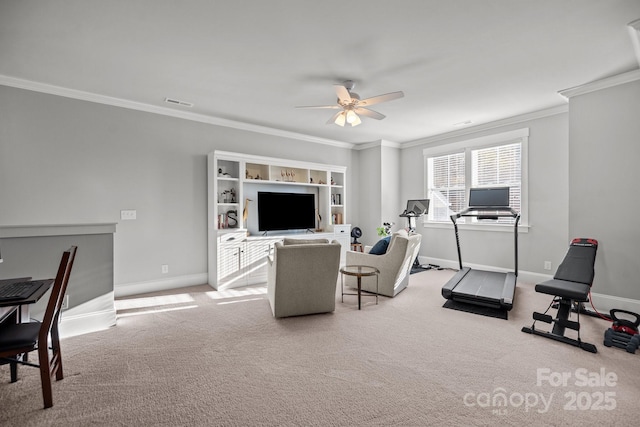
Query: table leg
(359, 290)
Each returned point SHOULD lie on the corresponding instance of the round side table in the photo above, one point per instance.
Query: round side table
(358, 271)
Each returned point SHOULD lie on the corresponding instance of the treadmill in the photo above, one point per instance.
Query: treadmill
(479, 287)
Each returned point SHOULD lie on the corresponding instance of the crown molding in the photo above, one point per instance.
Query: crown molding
(487, 126)
(379, 143)
(605, 83)
(154, 109)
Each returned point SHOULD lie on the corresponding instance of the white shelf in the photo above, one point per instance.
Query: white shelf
(238, 173)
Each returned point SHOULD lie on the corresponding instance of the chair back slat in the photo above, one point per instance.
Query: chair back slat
(57, 293)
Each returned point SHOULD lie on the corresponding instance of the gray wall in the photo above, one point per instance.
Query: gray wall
(391, 204)
(369, 194)
(378, 199)
(604, 151)
(69, 161)
(547, 237)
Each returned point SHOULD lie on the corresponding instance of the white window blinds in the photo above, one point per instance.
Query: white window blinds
(449, 177)
(446, 185)
(499, 166)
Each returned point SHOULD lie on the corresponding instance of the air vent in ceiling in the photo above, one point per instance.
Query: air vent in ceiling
(178, 102)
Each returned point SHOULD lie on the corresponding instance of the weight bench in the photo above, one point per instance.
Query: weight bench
(570, 287)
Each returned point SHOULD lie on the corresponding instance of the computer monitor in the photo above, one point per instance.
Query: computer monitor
(489, 197)
(417, 207)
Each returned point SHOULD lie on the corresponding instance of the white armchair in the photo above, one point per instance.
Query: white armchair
(302, 277)
(394, 265)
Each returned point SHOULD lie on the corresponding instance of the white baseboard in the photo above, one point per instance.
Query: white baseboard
(71, 326)
(603, 303)
(94, 315)
(523, 276)
(128, 289)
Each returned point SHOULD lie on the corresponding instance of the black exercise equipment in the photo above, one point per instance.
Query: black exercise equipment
(570, 286)
(415, 209)
(485, 288)
(623, 333)
(621, 340)
(624, 325)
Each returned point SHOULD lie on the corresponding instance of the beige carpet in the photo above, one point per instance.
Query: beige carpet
(198, 357)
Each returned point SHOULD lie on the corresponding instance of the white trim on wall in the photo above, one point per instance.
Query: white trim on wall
(601, 84)
(95, 315)
(379, 143)
(128, 289)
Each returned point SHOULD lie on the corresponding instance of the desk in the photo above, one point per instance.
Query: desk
(20, 308)
(18, 311)
(359, 271)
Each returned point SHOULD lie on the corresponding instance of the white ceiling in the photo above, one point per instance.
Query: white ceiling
(253, 61)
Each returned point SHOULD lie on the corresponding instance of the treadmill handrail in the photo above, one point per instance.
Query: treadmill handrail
(485, 212)
(507, 212)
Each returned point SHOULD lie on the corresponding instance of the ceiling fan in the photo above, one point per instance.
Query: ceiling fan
(353, 107)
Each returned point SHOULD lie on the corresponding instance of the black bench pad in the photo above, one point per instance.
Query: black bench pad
(565, 289)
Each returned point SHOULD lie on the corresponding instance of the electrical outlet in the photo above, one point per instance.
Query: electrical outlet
(165, 268)
(547, 265)
(65, 302)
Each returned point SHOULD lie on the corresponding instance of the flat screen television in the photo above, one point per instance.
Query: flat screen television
(286, 211)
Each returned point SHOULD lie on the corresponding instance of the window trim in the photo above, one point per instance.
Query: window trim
(503, 138)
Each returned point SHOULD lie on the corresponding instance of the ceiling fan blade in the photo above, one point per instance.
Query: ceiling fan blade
(343, 94)
(369, 113)
(333, 107)
(381, 98)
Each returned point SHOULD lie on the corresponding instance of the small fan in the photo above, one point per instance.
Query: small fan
(356, 233)
(353, 107)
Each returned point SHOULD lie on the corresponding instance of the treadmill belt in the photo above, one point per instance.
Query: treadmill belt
(479, 287)
(498, 313)
(482, 285)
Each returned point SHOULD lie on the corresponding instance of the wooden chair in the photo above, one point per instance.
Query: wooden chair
(17, 340)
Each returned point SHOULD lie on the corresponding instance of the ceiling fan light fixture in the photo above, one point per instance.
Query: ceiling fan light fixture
(341, 119)
(352, 117)
(356, 120)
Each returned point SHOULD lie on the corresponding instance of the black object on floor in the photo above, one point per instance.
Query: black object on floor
(419, 269)
(477, 309)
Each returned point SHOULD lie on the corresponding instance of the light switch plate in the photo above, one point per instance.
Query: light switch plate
(128, 214)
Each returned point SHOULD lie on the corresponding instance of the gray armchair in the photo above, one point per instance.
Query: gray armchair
(394, 265)
(302, 277)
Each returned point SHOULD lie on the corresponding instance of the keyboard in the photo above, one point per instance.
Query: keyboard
(19, 290)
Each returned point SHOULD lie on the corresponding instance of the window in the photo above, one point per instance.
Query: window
(496, 160)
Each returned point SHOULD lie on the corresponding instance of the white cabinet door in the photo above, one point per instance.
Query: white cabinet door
(255, 258)
(230, 250)
(342, 233)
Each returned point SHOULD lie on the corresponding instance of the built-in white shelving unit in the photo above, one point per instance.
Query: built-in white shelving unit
(237, 250)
